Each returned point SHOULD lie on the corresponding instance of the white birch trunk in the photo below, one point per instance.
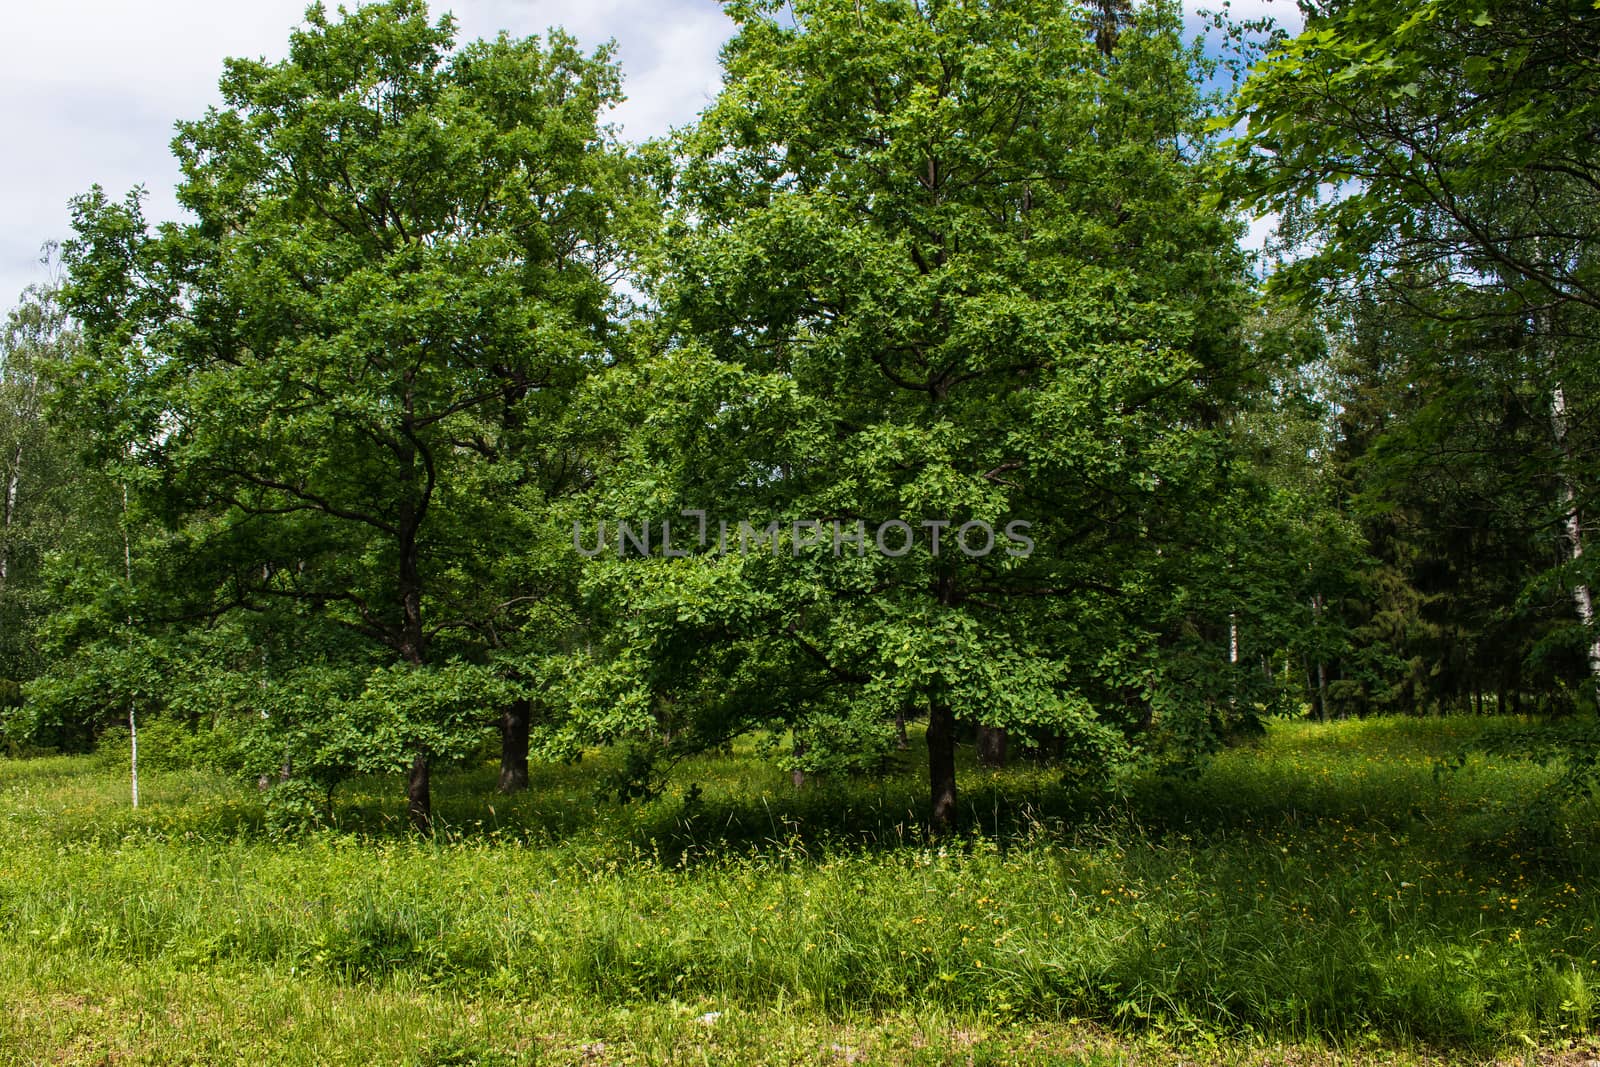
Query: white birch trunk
(133, 721)
(133, 753)
(1322, 667)
(1573, 525)
(13, 481)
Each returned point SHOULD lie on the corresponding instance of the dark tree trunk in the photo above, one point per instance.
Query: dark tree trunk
(900, 742)
(942, 766)
(514, 746)
(942, 731)
(412, 646)
(419, 798)
(413, 637)
(992, 741)
(798, 776)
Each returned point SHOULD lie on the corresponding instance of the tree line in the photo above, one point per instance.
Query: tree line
(305, 471)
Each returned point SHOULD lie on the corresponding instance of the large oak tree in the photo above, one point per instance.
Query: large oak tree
(941, 262)
(401, 255)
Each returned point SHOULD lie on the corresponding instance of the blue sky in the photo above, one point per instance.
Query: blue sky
(92, 87)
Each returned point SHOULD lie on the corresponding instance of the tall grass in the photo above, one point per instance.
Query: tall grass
(1329, 885)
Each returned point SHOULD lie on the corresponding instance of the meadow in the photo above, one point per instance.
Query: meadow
(1333, 893)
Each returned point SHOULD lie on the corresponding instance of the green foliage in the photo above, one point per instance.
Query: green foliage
(290, 484)
(1433, 166)
(295, 806)
(168, 745)
(49, 507)
(937, 264)
(1450, 138)
(436, 709)
(400, 262)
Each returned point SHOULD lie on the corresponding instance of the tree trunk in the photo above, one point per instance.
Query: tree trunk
(514, 746)
(1322, 667)
(942, 766)
(942, 728)
(1573, 523)
(133, 753)
(1233, 661)
(413, 649)
(901, 742)
(13, 479)
(991, 746)
(133, 722)
(419, 797)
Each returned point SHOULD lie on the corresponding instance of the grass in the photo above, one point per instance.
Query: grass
(1328, 896)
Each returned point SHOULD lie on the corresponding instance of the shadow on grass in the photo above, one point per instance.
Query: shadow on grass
(1361, 785)
(1375, 781)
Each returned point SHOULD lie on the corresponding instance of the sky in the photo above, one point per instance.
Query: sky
(90, 89)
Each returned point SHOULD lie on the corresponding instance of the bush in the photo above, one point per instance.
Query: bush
(168, 745)
(296, 806)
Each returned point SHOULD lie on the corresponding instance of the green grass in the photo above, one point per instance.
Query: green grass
(1328, 890)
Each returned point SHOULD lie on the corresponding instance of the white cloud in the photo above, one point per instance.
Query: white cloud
(92, 87)
(1286, 13)
(667, 50)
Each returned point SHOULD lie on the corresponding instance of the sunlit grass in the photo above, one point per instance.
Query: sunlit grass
(1330, 885)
